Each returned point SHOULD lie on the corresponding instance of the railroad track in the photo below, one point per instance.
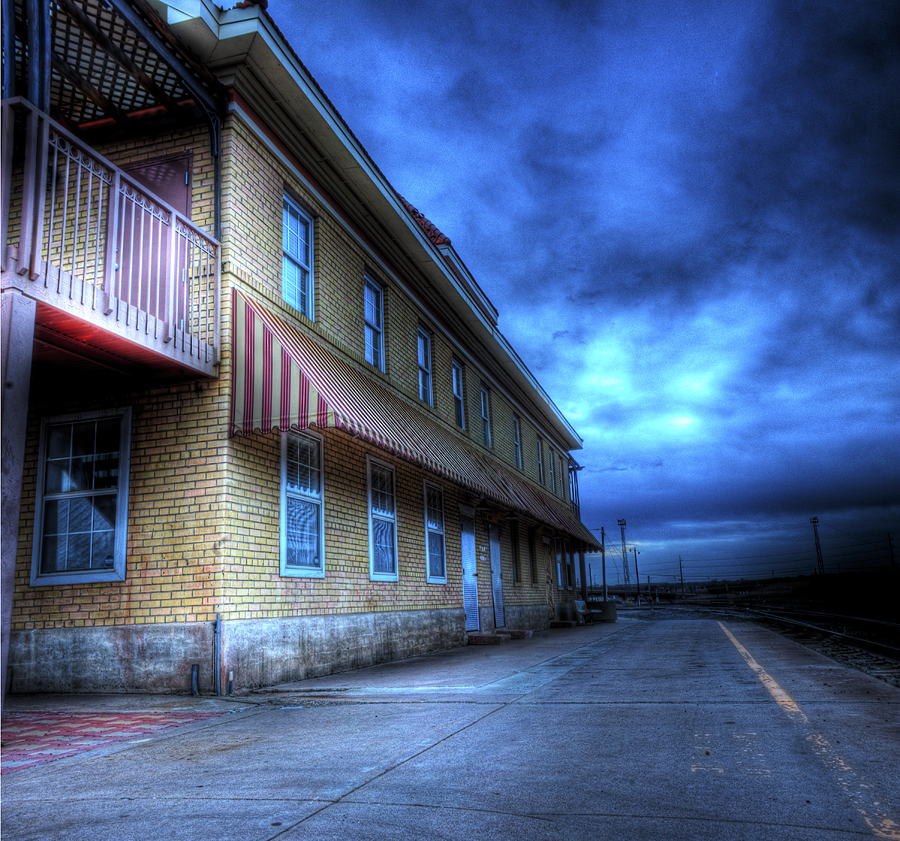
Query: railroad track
(868, 645)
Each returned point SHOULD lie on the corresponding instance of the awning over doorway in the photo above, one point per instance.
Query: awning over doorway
(283, 379)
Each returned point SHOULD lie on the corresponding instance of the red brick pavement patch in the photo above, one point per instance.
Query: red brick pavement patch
(34, 738)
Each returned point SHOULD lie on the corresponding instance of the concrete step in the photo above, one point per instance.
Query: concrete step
(518, 633)
(488, 639)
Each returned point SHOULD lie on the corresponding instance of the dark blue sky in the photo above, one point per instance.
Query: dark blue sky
(688, 215)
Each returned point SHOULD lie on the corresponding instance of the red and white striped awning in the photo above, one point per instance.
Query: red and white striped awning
(283, 379)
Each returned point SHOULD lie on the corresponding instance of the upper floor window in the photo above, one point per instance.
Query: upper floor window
(540, 459)
(517, 440)
(435, 560)
(458, 404)
(552, 472)
(297, 258)
(424, 341)
(374, 318)
(82, 498)
(486, 416)
(382, 522)
(301, 505)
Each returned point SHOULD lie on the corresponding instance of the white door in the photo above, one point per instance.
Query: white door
(470, 569)
(496, 579)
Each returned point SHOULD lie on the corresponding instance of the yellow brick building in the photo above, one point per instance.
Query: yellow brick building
(261, 418)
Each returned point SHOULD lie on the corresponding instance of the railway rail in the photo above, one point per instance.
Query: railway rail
(868, 645)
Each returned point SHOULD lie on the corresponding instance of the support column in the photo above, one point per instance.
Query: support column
(17, 327)
(584, 581)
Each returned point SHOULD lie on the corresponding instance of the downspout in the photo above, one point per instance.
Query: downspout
(217, 645)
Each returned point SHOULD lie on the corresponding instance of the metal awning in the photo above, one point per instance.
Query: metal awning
(282, 379)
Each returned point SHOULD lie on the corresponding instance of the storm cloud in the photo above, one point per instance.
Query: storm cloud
(700, 204)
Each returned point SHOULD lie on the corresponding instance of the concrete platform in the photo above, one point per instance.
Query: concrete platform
(676, 730)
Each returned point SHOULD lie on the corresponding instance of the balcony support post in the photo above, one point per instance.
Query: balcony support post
(18, 313)
(7, 128)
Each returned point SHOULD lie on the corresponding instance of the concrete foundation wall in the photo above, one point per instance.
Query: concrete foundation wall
(158, 658)
(128, 658)
(267, 651)
(527, 616)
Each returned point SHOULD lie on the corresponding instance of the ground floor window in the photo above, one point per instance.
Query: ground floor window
(81, 512)
(435, 558)
(301, 505)
(382, 522)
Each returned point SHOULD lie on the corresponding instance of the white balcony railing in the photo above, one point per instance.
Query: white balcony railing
(84, 231)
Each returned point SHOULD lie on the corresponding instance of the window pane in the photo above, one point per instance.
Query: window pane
(382, 491)
(302, 533)
(103, 549)
(79, 554)
(57, 479)
(83, 438)
(56, 516)
(373, 347)
(383, 546)
(435, 555)
(81, 515)
(59, 441)
(104, 512)
(434, 509)
(294, 285)
(53, 553)
(303, 474)
(373, 305)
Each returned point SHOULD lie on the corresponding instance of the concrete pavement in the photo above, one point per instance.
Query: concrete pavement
(690, 729)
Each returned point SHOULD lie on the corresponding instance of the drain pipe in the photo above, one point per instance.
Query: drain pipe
(218, 648)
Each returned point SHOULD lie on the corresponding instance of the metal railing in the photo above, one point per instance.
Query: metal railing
(85, 230)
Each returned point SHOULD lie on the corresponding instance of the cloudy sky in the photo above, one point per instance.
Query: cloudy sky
(688, 215)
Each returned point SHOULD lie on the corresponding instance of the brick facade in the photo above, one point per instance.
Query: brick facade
(204, 511)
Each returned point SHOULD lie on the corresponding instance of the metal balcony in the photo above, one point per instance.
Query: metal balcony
(118, 275)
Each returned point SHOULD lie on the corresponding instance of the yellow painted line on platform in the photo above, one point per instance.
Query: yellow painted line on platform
(880, 824)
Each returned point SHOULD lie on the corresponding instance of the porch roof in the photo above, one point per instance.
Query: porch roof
(283, 379)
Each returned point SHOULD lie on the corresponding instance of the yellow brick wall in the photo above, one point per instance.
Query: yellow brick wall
(252, 232)
(255, 587)
(173, 564)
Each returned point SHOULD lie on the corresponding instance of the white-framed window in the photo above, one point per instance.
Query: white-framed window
(517, 440)
(540, 460)
(458, 404)
(382, 522)
(552, 472)
(81, 511)
(424, 342)
(297, 258)
(435, 554)
(302, 539)
(374, 319)
(486, 416)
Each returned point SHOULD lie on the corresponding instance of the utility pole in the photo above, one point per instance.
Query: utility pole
(815, 525)
(637, 575)
(681, 569)
(603, 558)
(625, 574)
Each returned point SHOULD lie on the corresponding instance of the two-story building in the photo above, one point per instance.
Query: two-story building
(258, 416)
